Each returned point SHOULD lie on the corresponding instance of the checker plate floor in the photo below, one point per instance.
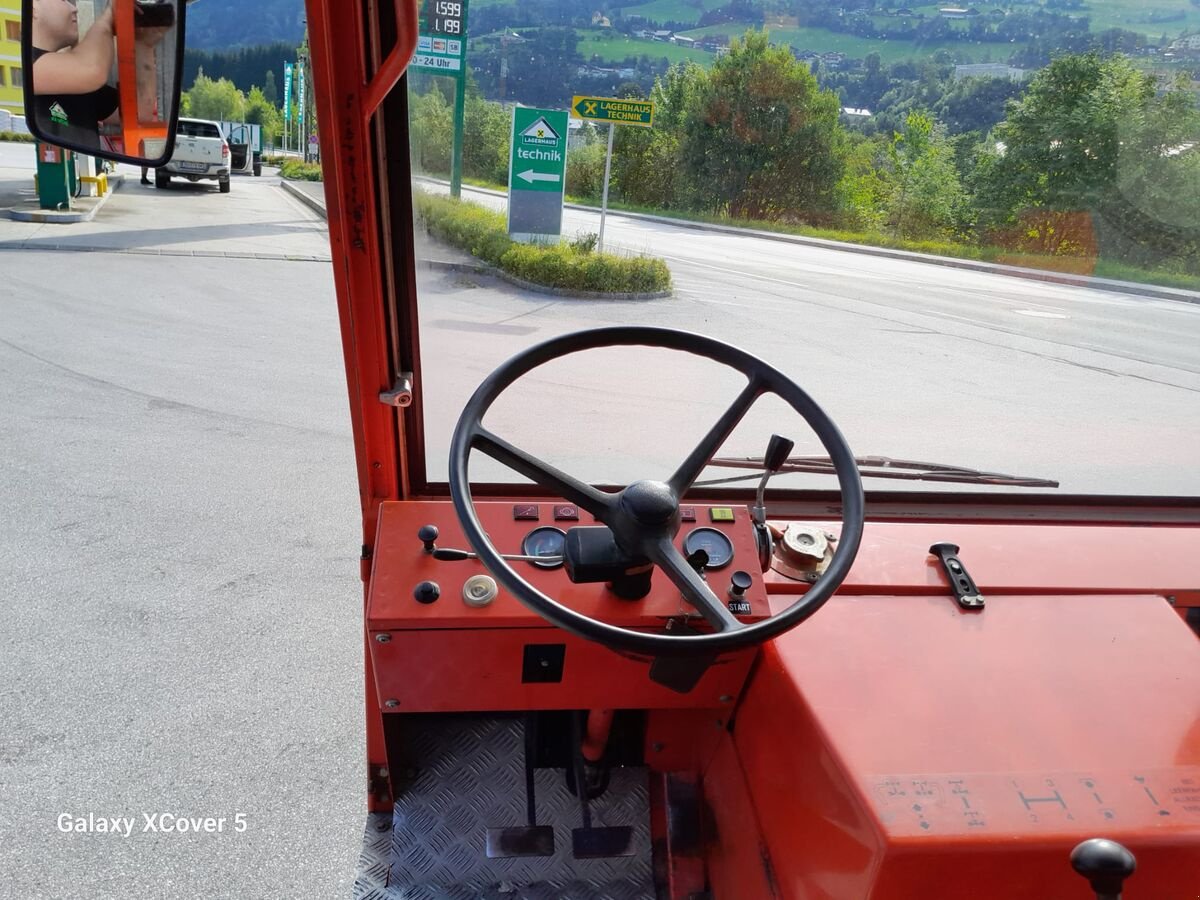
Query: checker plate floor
(473, 778)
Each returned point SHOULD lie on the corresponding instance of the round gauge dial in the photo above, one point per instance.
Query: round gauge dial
(545, 541)
(718, 547)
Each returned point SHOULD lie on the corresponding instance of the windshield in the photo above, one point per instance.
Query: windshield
(971, 234)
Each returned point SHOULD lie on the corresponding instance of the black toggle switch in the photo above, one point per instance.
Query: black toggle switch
(427, 535)
(427, 592)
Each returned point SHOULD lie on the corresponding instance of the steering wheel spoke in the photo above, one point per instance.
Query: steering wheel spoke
(690, 469)
(695, 589)
(568, 487)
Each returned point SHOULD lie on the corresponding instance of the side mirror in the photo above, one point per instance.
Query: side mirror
(102, 76)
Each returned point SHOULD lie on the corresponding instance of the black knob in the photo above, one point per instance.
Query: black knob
(427, 591)
(428, 534)
(1105, 864)
(739, 583)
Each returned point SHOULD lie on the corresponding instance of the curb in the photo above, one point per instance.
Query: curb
(49, 216)
(312, 202)
(1045, 275)
(485, 269)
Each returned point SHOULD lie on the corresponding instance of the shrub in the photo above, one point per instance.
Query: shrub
(574, 266)
(300, 171)
(585, 171)
(16, 137)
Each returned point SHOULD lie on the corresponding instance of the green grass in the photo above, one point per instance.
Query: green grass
(16, 138)
(672, 10)
(612, 47)
(822, 40)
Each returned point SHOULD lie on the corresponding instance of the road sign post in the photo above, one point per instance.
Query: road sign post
(615, 111)
(537, 165)
(442, 50)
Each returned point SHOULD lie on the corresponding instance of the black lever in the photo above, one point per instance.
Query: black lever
(779, 449)
(427, 534)
(1105, 864)
(965, 591)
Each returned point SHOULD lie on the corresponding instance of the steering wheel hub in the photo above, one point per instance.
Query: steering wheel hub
(650, 502)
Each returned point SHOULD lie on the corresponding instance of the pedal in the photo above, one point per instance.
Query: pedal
(600, 843)
(520, 840)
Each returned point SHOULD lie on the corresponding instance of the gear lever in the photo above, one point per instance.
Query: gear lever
(1105, 864)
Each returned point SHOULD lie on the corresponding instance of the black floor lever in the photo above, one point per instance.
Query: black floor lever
(593, 842)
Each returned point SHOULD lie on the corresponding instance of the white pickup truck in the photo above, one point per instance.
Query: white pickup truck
(200, 152)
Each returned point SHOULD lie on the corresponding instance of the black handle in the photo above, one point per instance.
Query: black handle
(1105, 864)
(963, 585)
(779, 449)
(427, 534)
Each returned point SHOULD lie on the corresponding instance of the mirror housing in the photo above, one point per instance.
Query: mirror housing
(102, 77)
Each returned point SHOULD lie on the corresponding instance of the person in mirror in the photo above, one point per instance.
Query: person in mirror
(70, 75)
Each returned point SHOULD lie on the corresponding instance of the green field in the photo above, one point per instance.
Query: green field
(1133, 16)
(822, 40)
(672, 10)
(612, 47)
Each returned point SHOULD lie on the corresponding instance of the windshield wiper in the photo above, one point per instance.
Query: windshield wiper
(877, 467)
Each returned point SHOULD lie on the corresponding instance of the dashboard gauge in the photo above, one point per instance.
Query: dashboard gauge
(718, 547)
(545, 541)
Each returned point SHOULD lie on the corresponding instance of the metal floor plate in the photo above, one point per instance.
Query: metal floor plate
(473, 778)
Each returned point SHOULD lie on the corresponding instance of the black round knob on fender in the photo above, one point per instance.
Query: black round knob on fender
(1105, 864)
(427, 535)
(427, 591)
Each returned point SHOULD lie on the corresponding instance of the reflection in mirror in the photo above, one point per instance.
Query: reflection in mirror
(104, 74)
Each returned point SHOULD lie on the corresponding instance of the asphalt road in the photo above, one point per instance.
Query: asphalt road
(179, 519)
(179, 540)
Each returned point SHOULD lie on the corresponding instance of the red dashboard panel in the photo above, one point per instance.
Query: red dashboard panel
(400, 564)
(450, 656)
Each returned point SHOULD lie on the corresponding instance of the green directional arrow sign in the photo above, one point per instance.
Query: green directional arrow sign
(537, 173)
(614, 110)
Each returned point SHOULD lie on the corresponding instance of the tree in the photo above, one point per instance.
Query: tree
(1093, 134)
(927, 197)
(260, 112)
(270, 92)
(209, 99)
(760, 138)
(647, 169)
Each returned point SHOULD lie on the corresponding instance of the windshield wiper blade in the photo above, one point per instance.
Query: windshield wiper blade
(878, 467)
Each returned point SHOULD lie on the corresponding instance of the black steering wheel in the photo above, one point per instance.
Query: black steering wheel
(644, 517)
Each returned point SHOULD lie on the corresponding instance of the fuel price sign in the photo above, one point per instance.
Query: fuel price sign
(442, 36)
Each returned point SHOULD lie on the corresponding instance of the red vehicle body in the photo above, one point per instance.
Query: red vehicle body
(895, 745)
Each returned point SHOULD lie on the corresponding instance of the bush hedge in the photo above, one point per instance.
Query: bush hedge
(574, 266)
(16, 137)
(300, 171)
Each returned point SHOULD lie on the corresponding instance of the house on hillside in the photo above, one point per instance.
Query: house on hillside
(855, 112)
(664, 36)
(953, 12)
(989, 70)
(684, 41)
